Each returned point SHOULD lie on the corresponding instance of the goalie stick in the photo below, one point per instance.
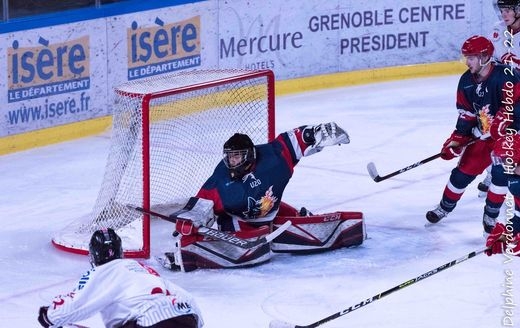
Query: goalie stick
(221, 235)
(372, 171)
(283, 324)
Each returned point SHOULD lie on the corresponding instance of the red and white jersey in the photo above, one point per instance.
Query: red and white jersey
(507, 44)
(123, 290)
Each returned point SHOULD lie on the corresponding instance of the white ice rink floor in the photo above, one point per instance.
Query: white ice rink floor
(392, 124)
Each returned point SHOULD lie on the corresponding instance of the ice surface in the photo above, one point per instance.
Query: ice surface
(393, 124)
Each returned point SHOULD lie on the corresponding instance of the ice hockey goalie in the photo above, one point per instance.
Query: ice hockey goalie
(243, 196)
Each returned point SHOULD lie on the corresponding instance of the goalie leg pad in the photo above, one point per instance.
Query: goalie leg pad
(205, 253)
(318, 233)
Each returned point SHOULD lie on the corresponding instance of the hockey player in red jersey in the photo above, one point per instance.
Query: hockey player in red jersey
(487, 101)
(505, 238)
(126, 293)
(245, 192)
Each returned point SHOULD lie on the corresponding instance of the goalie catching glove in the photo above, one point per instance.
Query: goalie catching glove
(323, 135)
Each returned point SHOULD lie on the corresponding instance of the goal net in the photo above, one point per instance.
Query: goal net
(167, 137)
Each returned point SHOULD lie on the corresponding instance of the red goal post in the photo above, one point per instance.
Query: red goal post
(167, 138)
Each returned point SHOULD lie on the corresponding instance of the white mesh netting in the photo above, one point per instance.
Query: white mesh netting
(175, 124)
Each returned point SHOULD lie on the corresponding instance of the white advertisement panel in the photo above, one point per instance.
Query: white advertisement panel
(304, 38)
(55, 75)
(162, 41)
(66, 73)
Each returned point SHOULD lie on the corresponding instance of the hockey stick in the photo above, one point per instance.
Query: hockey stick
(221, 235)
(372, 171)
(283, 324)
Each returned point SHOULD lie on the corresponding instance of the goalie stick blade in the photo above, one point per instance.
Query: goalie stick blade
(164, 262)
(372, 171)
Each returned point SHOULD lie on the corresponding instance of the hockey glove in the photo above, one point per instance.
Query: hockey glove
(198, 211)
(323, 135)
(500, 122)
(186, 227)
(454, 145)
(510, 59)
(42, 317)
(507, 150)
(501, 241)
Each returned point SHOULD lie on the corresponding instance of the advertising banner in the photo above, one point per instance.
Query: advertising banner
(53, 76)
(304, 38)
(66, 73)
(162, 41)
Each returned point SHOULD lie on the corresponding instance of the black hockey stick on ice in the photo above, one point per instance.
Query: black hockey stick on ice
(283, 324)
(221, 235)
(372, 171)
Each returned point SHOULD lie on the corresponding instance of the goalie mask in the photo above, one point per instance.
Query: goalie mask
(239, 155)
(105, 246)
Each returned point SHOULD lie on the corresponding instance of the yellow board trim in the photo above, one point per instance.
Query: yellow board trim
(43, 137)
(368, 76)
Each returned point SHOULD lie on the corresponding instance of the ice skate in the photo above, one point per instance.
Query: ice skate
(488, 223)
(305, 212)
(436, 214)
(483, 186)
(168, 261)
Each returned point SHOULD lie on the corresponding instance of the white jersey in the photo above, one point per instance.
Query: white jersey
(123, 290)
(506, 43)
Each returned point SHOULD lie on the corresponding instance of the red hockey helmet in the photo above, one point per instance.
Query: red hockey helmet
(477, 45)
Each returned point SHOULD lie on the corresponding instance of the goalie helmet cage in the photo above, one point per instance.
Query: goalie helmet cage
(167, 137)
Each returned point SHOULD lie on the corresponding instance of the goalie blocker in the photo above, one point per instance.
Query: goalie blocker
(307, 234)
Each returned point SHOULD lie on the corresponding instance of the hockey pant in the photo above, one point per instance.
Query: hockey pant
(475, 159)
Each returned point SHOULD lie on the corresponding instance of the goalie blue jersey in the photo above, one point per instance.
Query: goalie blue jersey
(256, 196)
